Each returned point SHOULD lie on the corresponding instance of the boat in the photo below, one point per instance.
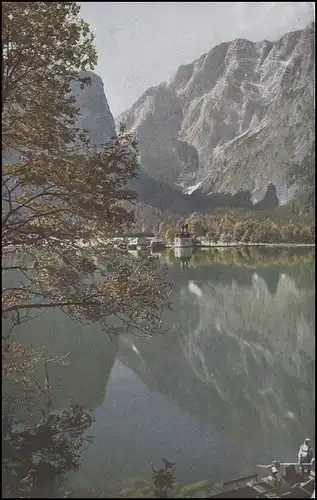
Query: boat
(289, 484)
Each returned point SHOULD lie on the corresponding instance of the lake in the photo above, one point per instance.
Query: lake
(230, 384)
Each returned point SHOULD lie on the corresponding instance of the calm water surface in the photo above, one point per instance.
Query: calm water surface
(229, 385)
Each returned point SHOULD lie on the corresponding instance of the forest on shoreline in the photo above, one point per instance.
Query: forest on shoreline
(231, 226)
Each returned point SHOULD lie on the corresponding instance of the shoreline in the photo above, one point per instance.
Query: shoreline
(235, 245)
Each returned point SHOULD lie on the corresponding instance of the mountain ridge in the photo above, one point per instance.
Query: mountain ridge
(242, 103)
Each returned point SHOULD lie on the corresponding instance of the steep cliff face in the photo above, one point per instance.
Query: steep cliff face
(95, 115)
(233, 120)
(225, 130)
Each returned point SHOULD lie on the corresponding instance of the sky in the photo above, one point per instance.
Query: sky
(141, 44)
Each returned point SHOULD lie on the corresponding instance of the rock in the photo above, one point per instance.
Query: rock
(95, 115)
(225, 130)
(232, 121)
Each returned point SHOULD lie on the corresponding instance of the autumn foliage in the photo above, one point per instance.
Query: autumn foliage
(61, 191)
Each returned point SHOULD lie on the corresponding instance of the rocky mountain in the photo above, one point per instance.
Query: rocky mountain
(96, 119)
(233, 122)
(233, 128)
(95, 115)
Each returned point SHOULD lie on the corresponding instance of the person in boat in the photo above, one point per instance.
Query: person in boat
(275, 468)
(275, 477)
(305, 456)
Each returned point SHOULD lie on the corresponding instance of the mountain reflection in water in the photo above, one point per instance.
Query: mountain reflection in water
(230, 384)
(238, 348)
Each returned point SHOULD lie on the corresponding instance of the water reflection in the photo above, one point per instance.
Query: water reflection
(247, 348)
(230, 384)
(36, 458)
(243, 358)
(79, 385)
(91, 354)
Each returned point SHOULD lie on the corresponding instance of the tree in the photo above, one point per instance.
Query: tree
(239, 230)
(163, 226)
(59, 190)
(303, 175)
(39, 448)
(197, 224)
(169, 234)
(36, 457)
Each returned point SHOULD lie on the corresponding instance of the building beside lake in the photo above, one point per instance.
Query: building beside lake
(184, 238)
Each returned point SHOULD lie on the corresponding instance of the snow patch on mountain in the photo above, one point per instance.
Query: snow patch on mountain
(191, 189)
